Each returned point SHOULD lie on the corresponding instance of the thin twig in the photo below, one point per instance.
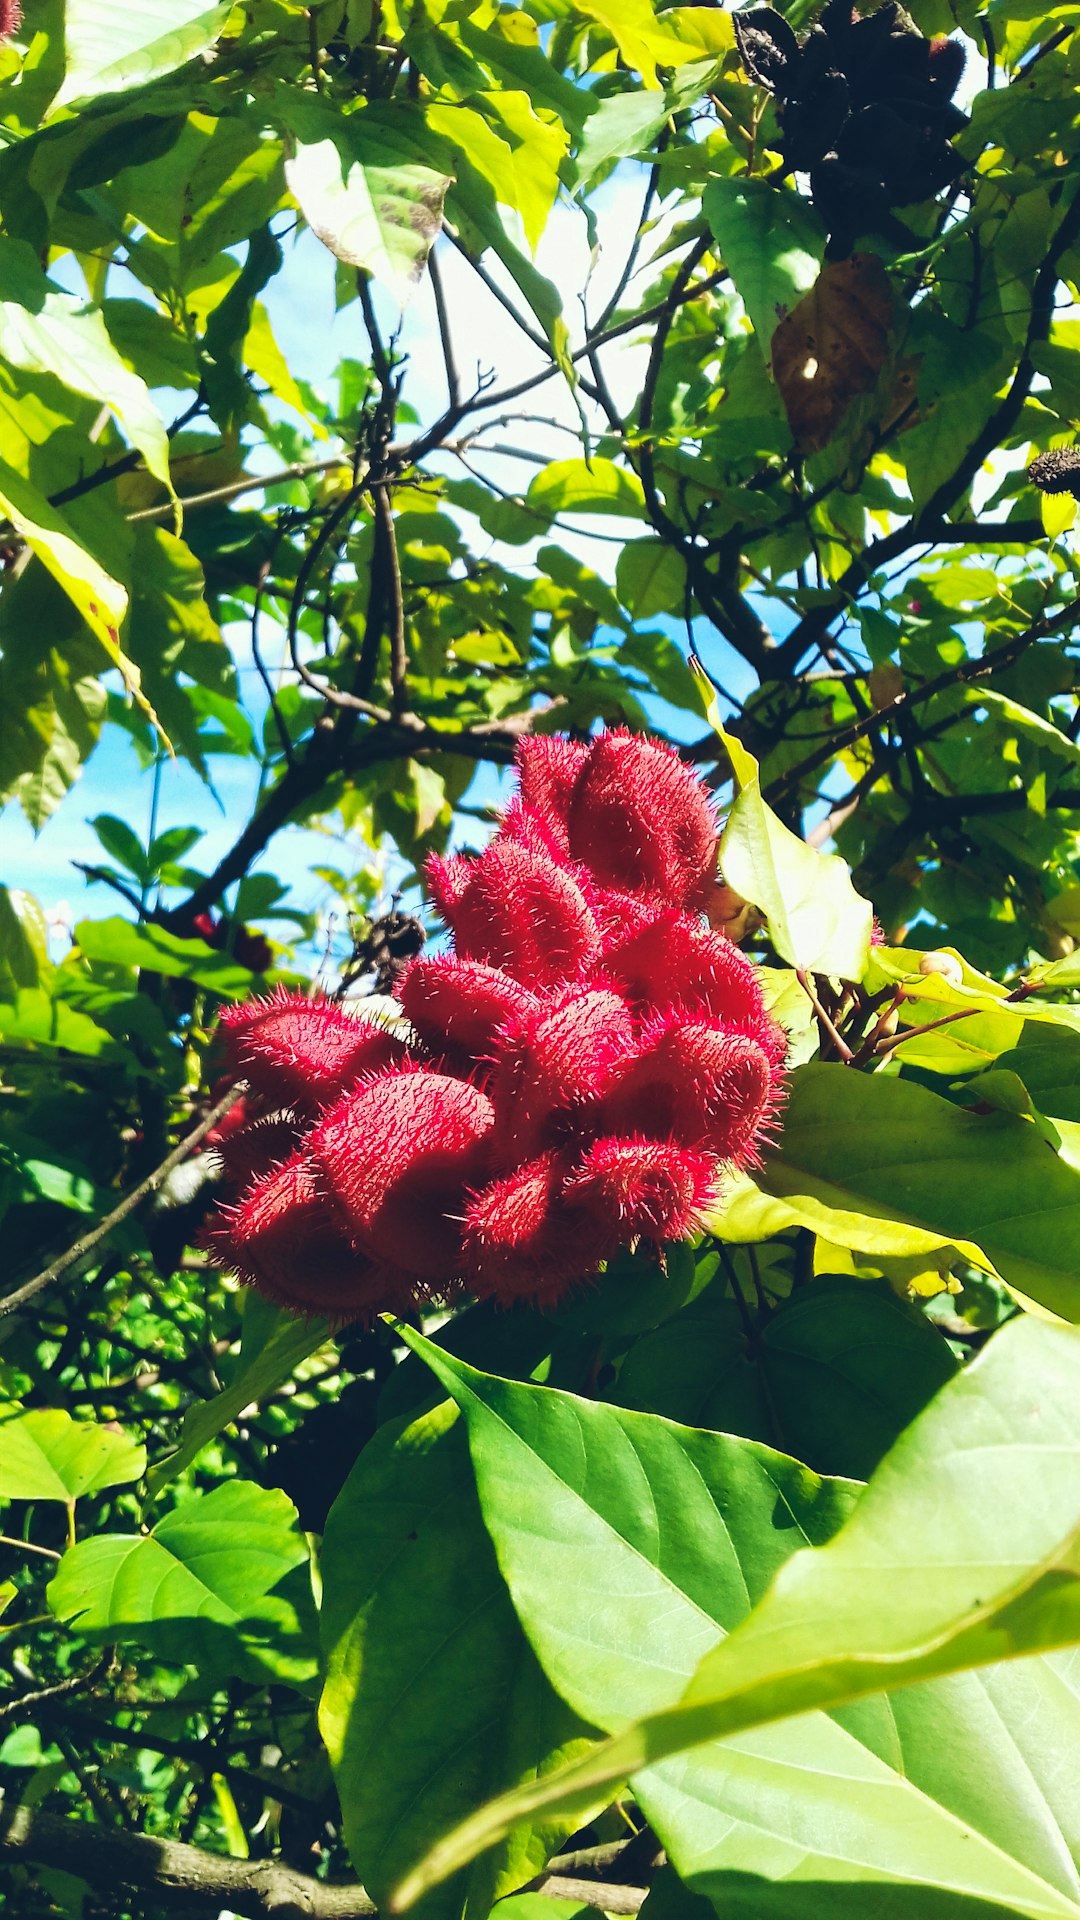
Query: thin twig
(399, 659)
(88, 1241)
(453, 383)
(966, 673)
(247, 483)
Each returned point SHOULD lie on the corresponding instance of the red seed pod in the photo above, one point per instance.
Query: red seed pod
(645, 1188)
(642, 821)
(553, 1059)
(521, 1240)
(304, 1053)
(396, 1158)
(548, 768)
(282, 1239)
(461, 1003)
(10, 18)
(697, 1085)
(521, 912)
(447, 880)
(250, 1152)
(674, 964)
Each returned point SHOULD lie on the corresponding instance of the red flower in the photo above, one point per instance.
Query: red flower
(304, 1053)
(645, 1188)
(641, 821)
(395, 1159)
(522, 1240)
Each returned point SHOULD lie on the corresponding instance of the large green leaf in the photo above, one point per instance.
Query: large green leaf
(46, 1455)
(885, 1149)
(816, 920)
(579, 486)
(965, 1549)
(109, 49)
(45, 331)
(433, 1696)
(771, 244)
(154, 949)
(209, 1583)
(832, 1377)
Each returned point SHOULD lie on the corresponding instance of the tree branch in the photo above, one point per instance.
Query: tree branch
(964, 674)
(196, 1883)
(181, 1876)
(87, 1243)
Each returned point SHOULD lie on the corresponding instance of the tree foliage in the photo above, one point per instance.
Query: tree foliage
(583, 1605)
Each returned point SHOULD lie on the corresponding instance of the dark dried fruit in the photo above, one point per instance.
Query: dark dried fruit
(865, 108)
(1057, 471)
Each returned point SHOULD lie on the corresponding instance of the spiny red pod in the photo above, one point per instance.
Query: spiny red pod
(648, 1189)
(697, 1085)
(553, 1060)
(518, 911)
(282, 1239)
(461, 1003)
(641, 821)
(522, 1239)
(304, 1053)
(395, 1159)
(582, 1069)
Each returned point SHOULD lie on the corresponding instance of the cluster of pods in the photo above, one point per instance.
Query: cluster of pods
(573, 1075)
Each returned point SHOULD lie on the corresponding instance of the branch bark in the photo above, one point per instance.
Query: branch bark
(195, 1883)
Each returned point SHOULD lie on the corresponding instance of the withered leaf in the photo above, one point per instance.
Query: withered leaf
(832, 346)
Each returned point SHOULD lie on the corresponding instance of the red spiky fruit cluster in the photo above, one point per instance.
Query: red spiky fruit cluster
(579, 1071)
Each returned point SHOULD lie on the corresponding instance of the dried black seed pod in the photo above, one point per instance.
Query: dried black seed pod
(864, 106)
(1057, 471)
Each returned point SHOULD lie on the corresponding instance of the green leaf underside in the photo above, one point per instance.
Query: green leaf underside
(433, 1696)
(926, 1578)
(46, 1455)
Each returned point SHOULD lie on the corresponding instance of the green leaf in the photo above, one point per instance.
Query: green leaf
(873, 1145)
(816, 919)
(833, 1377)
(365, 193)
(433, 1696)
(643, 39)
(771, 244)
(650, 576)
(520, 157)
(46, 1455)
(200, 1585)
(108, 50)
(37, 1018)
(265, 1362)
(926, 1578)
(45, 331)
(101, 600)
(122, 844)
(618, 1605)
(24, 942)
(153, 949)
(579, 486)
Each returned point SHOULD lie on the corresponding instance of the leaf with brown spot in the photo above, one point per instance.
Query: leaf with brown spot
(832, 346)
